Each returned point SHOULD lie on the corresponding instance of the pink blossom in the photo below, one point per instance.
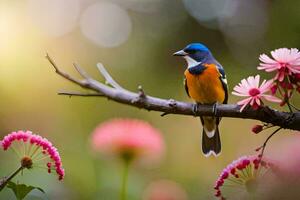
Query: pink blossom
(285, 62)
(254, 93)
(128, 138)
(286, 173)
(286, 154)
(244, 171)
(164, 190)
(39, 149)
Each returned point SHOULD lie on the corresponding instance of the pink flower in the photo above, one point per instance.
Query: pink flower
(250, 88)
(128, 139)
(286, 154)
(287, 180)
(243, 173)
(164, 190)
(35, 151)
(285, 62)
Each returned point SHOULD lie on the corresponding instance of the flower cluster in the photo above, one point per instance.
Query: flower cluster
(286, 64)
(128, 139)
(33, 150)
(242, 173)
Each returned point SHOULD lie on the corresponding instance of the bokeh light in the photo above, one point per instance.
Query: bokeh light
(54, 17)
(249, 19)
(106, 24)
(208, 12)
(143, 6)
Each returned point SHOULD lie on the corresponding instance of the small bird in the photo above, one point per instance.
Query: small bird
(205, 82)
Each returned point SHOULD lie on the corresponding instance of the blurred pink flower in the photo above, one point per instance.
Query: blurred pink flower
(128, 138)
(285, 62)
(287, 170)
(35, 151)
(287, 156)
(245, 171)
(164, 190)
(250, 88)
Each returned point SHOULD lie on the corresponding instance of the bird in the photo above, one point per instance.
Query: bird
(205, 82)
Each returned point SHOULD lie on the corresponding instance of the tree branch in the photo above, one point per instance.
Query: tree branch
(70, 94)
(117, 93)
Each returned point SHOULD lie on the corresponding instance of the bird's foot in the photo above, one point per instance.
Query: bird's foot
(215, 109)
(195, 109)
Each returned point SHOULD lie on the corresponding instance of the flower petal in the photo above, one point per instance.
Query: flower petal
(266, 85)
(271, 98)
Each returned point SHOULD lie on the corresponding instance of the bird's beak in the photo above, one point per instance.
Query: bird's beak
(180, 53)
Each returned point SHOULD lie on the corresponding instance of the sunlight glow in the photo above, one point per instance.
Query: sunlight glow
(54, 17)
(8, 30)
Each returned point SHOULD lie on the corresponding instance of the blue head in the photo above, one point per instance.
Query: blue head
(195, 53)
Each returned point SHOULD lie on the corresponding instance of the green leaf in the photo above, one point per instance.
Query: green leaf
(21, 190)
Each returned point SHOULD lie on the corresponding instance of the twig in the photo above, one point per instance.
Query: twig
(293, 106)
(289, 105)
(80, 94)
(263, 147)
(63, 74)
(108, 78)
(164, 114)
(117, 93)
(81, 71)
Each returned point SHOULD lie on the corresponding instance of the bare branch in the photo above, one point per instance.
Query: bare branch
(141, 100)
(69, 93)
(108, 78)
(81, 71)
(83, 83)
(61, 73)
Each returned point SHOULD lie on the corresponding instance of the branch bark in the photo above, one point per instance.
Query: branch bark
(141, 100)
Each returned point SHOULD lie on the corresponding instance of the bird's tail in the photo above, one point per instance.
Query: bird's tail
(211, 143)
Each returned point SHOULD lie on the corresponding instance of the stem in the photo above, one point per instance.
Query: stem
(289, 105)
(4, 183)
(123, 194)
(266, 141)
(293, 106)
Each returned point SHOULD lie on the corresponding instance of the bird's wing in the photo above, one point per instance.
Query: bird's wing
(186, 86)
(223, 81)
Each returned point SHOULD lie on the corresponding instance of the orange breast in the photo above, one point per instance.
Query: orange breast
(205, 88)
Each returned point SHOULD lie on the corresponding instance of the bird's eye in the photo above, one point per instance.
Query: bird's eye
(190, 51)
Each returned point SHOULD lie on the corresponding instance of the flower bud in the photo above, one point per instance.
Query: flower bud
(257, 128)
(297, 76)
(290, 86)
(273, 89)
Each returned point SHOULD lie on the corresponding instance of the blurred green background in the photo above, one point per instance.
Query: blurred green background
(135, 40)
